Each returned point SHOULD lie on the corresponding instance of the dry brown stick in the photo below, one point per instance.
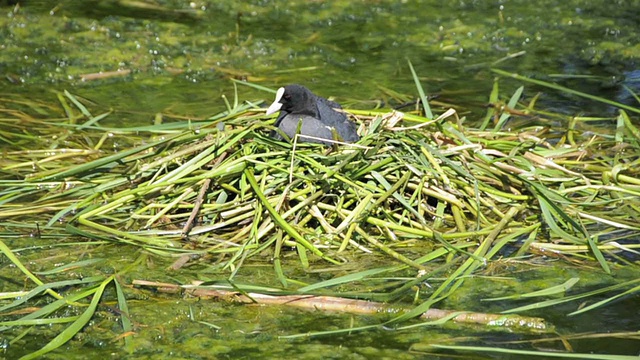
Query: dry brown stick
(200, 200)
(104, 74)
(352, 306)
(197, 205)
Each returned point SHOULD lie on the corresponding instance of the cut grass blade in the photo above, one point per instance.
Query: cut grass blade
(73, 329)
(423, 97)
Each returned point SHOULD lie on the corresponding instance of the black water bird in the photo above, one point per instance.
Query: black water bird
(317, 116)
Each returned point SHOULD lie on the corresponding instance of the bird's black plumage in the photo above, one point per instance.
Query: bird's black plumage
(317, 116)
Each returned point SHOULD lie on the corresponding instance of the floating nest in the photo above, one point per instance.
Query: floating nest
(410, 185)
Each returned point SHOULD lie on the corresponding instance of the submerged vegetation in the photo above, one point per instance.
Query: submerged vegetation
(435, 197)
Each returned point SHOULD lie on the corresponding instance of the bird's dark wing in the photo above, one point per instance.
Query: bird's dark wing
(327, 114)
(338, 120)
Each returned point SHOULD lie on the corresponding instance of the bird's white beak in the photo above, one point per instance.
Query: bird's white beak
(276, 105)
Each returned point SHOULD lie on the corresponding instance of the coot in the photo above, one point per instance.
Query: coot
(318, 118)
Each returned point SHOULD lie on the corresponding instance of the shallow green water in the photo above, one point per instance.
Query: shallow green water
(181, 65)
(170, 326)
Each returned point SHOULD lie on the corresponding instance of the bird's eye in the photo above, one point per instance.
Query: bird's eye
(287, 96)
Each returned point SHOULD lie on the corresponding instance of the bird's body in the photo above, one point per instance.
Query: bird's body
(316, 115)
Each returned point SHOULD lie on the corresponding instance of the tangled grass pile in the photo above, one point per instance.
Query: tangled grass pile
(224, 187)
